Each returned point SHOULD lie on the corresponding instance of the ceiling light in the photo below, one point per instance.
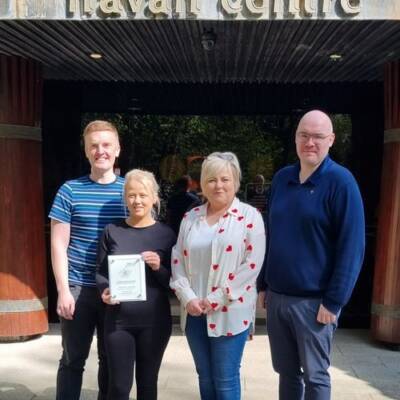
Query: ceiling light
(96, 56)
(335, 57)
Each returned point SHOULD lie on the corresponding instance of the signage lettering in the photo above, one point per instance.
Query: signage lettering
(88, 5)
(294, 7)
(256, 9)
(350, 8)
(232, 6)
(180, 6)
(309, 7)
(326, 6)
(135, 5)
(159, 6)
(279, 8)
(195, 6)
(110, 6)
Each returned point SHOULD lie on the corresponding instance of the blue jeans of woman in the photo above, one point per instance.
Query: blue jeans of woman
(217, 360)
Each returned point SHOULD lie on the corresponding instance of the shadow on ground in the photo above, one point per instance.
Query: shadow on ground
(361, 369)
(13, 391)
(358, 360)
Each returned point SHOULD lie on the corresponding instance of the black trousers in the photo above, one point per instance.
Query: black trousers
(77, 335)
(127, 346)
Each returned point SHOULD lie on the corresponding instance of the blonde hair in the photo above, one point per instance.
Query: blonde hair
(218, 161)
(147, 179)
(99, 125)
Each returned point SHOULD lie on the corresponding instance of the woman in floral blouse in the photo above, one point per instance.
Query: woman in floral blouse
(215, 264)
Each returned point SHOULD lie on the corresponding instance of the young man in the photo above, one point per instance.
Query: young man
(316, 239)
(81, 209)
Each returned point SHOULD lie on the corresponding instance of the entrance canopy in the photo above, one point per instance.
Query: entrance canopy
(196, 41)
(193, 56)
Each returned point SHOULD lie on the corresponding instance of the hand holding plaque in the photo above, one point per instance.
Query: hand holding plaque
(127, 278)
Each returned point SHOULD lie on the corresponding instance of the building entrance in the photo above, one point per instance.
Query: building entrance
(205, 58)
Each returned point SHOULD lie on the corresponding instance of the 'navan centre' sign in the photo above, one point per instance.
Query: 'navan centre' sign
(200, 9)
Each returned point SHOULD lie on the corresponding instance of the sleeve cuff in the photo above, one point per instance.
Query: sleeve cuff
(331, 306)
(186, 295)
(218, 298)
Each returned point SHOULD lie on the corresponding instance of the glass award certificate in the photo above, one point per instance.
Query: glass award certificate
(127, 277)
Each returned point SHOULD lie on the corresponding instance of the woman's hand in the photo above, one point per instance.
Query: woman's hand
(194, 307)
(206, 306)
(106, 297)
(152, 259)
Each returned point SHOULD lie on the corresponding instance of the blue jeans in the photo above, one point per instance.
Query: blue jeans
(77, 335)
(217, 360)
(300, 347)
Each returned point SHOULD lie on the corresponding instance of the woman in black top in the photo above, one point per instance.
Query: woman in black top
(137, 331)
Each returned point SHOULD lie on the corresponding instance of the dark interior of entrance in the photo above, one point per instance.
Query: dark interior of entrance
(66, 105)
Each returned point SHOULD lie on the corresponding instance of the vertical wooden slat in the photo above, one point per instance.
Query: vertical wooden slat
(386, 295)
(22, 245)
(31, 95)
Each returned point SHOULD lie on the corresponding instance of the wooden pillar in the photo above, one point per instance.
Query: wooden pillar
(23, 298)
(386, 296)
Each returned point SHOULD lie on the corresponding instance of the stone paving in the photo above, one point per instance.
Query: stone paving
(361, 369)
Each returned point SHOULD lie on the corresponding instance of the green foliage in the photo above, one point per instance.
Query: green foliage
(147, 140)
(163, 144)
(342, 146)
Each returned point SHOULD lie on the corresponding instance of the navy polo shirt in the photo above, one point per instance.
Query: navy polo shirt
(316, 234)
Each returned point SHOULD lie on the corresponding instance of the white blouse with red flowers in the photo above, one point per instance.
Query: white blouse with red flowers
(237, 254)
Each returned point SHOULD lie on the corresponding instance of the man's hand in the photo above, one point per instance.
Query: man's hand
(106, 297)
(261, 299)
(325, 316)
(65, 305)
(194, 307)
(152, 259)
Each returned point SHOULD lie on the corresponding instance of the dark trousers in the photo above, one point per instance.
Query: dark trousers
(77, 335)
(125, 347)
(300, 347)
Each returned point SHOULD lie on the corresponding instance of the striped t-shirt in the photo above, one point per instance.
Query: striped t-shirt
(88, 207)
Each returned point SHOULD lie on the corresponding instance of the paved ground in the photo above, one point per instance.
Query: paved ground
(361, 369)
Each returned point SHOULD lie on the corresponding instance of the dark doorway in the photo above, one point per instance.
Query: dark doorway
(163, 126)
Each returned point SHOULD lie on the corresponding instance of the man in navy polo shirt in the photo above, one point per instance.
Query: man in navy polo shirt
(316, 240)
(81, 209)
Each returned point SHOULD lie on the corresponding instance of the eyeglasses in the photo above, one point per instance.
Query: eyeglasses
(316, 137)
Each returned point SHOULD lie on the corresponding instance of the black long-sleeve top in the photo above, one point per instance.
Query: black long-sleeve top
(120, 239)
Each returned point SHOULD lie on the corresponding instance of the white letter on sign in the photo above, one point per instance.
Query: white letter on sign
(326, 6)
(231, 7)
(252, 7)
(309, 7)
(159, 6)
(110, 6)
(136, 5)
(348, 8)
(294, 7)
